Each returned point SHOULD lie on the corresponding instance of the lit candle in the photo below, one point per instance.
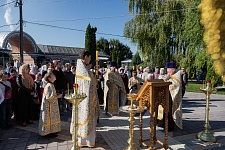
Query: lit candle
(75, 87)
(96, 55)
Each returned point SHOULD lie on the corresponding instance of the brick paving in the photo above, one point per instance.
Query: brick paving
(113, 132)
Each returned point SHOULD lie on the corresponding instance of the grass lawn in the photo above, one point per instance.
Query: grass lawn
(195, 87)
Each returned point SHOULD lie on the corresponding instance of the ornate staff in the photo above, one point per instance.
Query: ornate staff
(96, 73)
(96, 65)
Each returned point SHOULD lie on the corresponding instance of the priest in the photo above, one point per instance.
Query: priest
(88, 109)
(175, 100)
(114, 91)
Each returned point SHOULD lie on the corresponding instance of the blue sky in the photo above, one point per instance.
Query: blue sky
(111, 17)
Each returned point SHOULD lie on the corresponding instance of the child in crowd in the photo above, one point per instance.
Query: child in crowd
(12, 80)
(6, 105)
(49, 122)
(37, 97)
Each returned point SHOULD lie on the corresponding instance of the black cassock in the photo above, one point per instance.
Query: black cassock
(171, 123)
(24, 101)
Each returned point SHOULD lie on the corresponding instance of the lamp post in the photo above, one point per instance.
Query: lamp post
(19, 3)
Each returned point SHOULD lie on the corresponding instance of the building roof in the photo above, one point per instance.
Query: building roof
(50, 49)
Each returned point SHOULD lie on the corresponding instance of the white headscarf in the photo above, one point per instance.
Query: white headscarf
(43, 68)
(161, 71)
(33, 69)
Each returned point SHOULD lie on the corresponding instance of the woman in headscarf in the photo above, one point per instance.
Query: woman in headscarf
(33, 71)
(25, 94)
(162, 73)
(43, 70)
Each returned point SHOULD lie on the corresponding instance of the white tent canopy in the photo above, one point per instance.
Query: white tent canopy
(103, 58)
(126, 61)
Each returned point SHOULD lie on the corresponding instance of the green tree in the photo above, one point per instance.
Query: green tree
(194, 54)
(155, 28)
(119, 51)
(103, 45)
(160, 59)
(114, 46)
(125, 51)
(136, 60)
(90, 42)
(118, 59)
(115, 49)
(168, 31)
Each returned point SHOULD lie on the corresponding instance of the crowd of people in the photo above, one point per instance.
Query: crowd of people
(37, 93)
(22, 92)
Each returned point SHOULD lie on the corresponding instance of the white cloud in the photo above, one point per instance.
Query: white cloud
(8, 17)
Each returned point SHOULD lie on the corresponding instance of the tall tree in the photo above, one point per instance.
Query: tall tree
(90, 42)
(167, 30)
(193, 45)
(125, 51)
(103, 45)
(153, 26)
(114, 46)
(115, 49)
(136, 60)
(120, 51)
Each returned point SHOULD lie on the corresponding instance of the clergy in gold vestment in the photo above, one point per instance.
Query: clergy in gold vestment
(175, 103)
(114, 91)
(88, 109)
(49, 121)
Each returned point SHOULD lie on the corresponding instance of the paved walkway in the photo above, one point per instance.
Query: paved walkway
(112, 132)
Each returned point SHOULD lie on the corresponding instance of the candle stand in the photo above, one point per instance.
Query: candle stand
(75, 99)
(132, 110)
(206, 135)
